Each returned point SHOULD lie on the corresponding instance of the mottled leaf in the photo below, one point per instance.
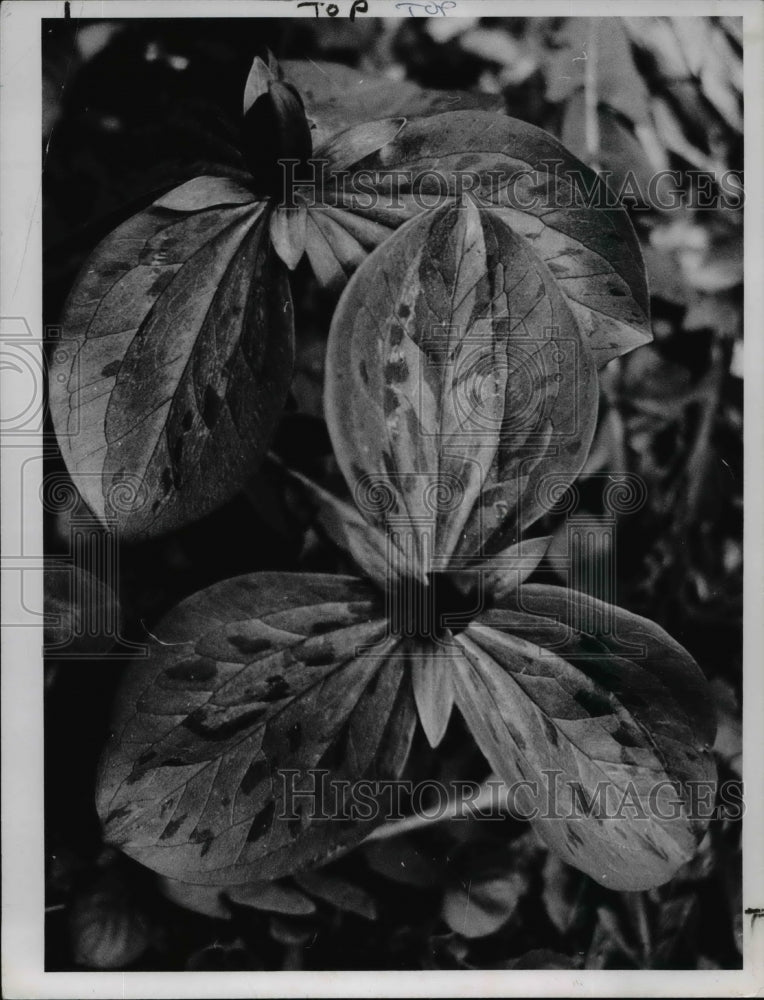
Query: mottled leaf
(176, 359)
(253, 688)
(556, 203)
(603, 713)
(457, 379)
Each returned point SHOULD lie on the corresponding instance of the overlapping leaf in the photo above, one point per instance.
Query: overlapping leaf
(456, 380)
(461, 375)
(337, 96)
(602, 708)
(546, 195)
(177, 358)
(250, 680)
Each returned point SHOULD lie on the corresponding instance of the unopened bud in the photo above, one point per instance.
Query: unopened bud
(275, 128)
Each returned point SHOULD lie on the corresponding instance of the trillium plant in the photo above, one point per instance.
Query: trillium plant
(482, 286)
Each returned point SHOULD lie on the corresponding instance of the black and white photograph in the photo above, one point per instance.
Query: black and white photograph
(375, 592)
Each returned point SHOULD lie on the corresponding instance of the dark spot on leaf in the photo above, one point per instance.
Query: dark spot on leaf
(146, 757)
(247, 644)
(627, 735)
(396, 334)
(593, 703)
(116, 814)
(193, 670)
(278, 688)
(197, 724)
(320, 657)
(327, 625)
(336, 754)
(574, 836)
(201, 836)
(404, 311)
(255, 773)
(172, 828)
(211, 407)
(357, 472)
(206, 846)
(166, 481)
(654, 848)
(396, 371)
(389, 464)
(588, 645)
(188, 419)
(551, 732)
(261, 824)
(111, 369)
(364, 373)
(391, 401)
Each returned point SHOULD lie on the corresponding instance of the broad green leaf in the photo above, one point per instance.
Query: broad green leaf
(253, 685)
(337, 96)
(456, 380)
(176, 361)
(538, 188)
(606, 710)
(481, 908)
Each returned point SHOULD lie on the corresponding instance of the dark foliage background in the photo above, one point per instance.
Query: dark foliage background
(132, 108)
